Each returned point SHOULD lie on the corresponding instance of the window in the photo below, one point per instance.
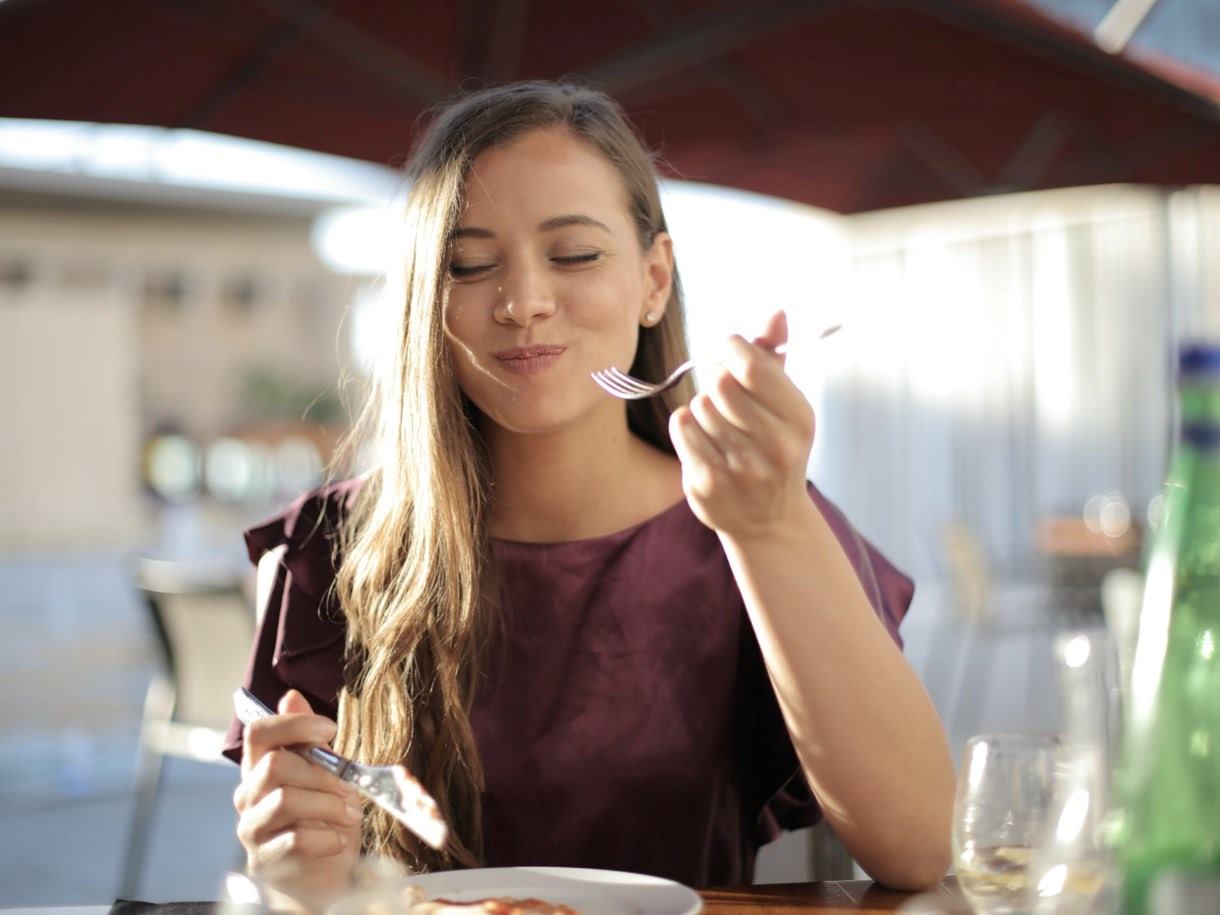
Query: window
(16, 273)
(242, 294)
(165, 290)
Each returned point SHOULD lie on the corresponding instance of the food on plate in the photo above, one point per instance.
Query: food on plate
(494, 906)
(419, 811)
(413, 900)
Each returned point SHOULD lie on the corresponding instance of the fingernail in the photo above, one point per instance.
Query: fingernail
(354, 813)
(342, 839)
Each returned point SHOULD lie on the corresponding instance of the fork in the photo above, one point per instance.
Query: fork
(628, 387)
(389, 787)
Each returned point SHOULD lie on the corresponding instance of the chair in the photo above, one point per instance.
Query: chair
(204, 624)
(983, 619)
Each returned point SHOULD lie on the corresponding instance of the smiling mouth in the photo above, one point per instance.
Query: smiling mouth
(528, 360)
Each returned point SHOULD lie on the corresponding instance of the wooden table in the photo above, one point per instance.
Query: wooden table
(859, 896)
(850, 896)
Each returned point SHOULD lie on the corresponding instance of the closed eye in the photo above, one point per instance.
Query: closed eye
(464, 271)
(575, 260)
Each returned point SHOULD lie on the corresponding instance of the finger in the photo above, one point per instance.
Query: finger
(700, 459)
(775, 334)
(293, 703)
(281, 768)
(288, 807)
(758, 426)
(276, 731)
(762, 374)
(694, 441)
(753, 365)
(260, 736)
(286, 853)
(740, 408)
(732, 442)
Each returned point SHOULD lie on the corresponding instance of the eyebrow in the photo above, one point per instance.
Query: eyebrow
(547, 225)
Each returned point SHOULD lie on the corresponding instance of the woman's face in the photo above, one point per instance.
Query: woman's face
(547, 282)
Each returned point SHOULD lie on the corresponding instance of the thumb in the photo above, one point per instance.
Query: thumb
(293, 703)
(775, 332)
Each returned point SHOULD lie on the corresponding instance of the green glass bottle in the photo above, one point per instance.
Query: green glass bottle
(1168, 780)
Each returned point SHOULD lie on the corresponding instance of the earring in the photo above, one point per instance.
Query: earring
(650, 318)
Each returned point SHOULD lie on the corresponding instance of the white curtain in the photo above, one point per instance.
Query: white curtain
(1007, 359)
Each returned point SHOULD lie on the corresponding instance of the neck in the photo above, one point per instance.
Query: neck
(579, 482)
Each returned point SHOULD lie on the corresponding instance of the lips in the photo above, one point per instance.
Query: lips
(527, 360)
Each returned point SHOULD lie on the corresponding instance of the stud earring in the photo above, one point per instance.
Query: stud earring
(650, 318)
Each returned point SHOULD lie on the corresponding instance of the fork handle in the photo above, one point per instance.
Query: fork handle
(250, 708)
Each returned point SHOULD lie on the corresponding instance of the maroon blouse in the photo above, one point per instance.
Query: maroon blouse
(626, 720)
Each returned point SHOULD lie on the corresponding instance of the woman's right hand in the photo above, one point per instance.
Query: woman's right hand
(299, 824)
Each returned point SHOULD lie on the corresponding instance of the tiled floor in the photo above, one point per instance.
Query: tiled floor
(74, 663)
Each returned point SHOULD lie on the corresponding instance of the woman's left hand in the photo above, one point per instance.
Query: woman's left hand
(744, 443)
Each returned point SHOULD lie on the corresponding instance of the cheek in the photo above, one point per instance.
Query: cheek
(460, 314)
(484, 390)
(603, 302)
(462, 337)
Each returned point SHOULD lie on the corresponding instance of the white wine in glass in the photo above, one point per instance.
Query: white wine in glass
(1004, 794)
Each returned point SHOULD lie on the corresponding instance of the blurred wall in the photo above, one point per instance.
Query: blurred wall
(119, 321)
(70, 418)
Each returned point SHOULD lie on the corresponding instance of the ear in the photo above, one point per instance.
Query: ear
(658, 279)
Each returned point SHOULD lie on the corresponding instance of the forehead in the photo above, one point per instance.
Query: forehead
(543, 173)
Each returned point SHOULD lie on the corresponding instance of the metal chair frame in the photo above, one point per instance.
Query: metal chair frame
(164, 729)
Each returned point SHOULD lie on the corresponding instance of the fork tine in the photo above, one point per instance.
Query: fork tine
(631, 383)
(627, 387)
(618, 383)
(615, 382)
(604, 382)
(627, 393)
(614, 391)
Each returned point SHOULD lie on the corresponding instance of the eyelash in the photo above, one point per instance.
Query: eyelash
(572, 260)
(462, 273)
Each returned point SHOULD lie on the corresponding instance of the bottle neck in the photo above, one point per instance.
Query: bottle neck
(1199, 422)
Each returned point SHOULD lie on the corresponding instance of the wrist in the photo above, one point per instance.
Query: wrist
(794, 523)
(313, 888)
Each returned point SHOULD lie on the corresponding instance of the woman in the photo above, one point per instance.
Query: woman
(611, 634)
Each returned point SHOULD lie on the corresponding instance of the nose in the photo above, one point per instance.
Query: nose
(524, 295)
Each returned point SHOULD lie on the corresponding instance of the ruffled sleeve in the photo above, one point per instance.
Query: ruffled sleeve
(299, 643)
(776, 785)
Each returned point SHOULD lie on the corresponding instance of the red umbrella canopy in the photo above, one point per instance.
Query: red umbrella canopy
(846, 105)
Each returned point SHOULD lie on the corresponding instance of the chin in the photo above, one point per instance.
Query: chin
(520, 422)
(535, 416)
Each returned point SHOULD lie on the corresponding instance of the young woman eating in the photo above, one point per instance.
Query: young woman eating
(601, 633)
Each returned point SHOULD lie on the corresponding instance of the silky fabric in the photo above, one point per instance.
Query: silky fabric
(625, 718)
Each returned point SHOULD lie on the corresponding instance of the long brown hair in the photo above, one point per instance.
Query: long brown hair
(414, 580)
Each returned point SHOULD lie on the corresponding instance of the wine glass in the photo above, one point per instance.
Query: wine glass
(1073, 872)
(241, 894)
(1004, 794)
(379, 885)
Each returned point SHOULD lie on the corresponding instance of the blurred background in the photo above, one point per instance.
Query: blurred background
(1011, 206)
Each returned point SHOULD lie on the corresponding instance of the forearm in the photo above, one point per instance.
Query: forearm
(865, 731)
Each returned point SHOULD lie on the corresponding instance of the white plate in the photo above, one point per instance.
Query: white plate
(590, 892)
